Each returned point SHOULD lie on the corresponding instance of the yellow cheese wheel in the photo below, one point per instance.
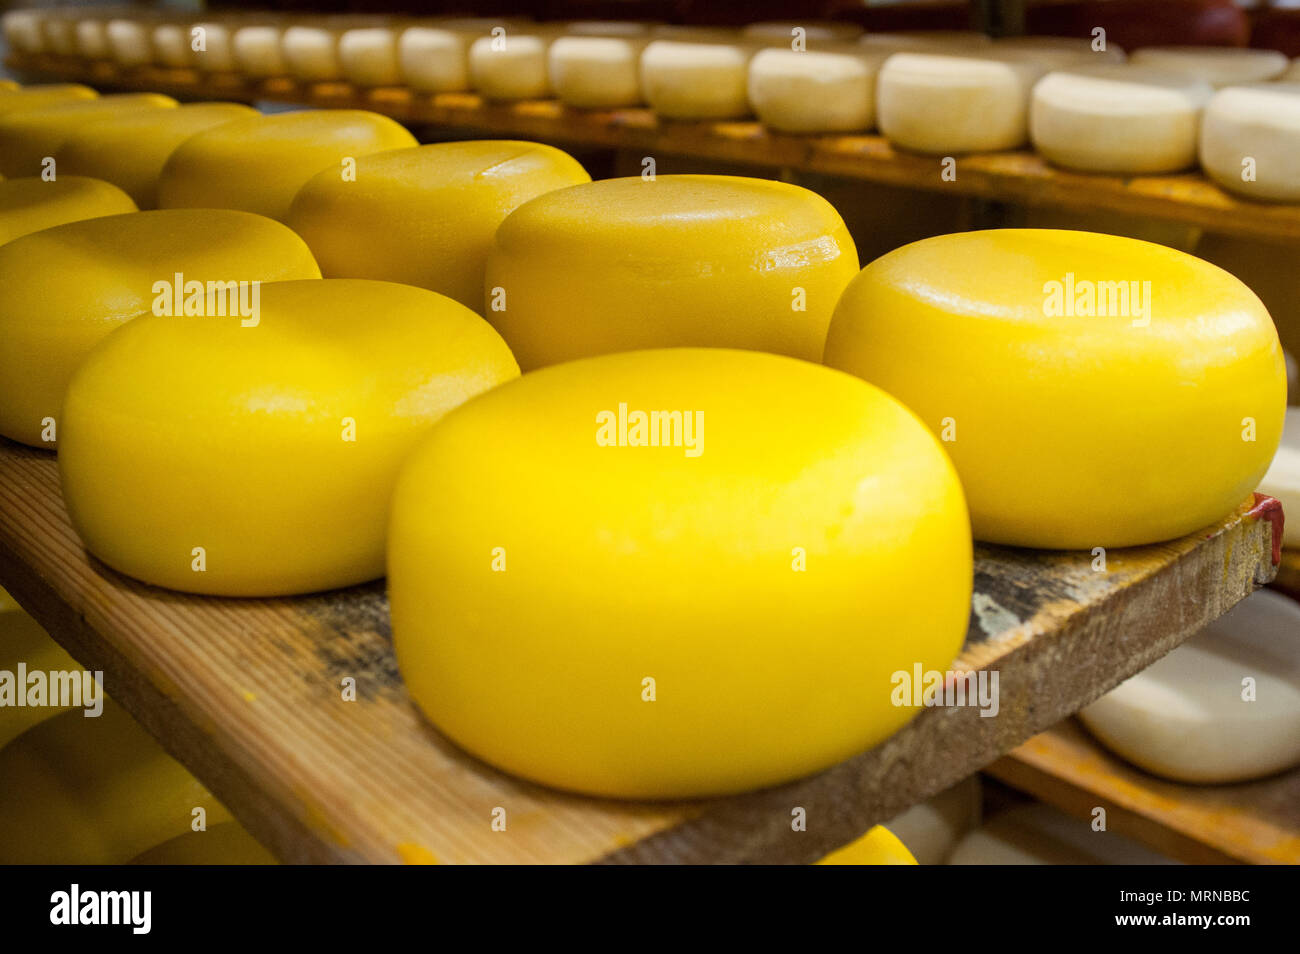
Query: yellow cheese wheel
(259, 164)
(675, 606)
(228, 843)
(23, 641)
(28, 136)
(39, 97)
(31, 203)
(622, 264)
(130, 151)
(8, 86)
(93, 791)
(425, 216)
(1093, 390)
(878, 846)
(272, 448)
(65, 288)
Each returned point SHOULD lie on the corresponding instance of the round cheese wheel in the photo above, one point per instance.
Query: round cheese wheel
(433, 60)
(259, 164)
(622, 264)
(1041, 835)
(227, 843)
(425, 216)
(1222, 707)
(257, 50)
(210, 48)
(1292, 72)
(1120, 119)
(40, 97)
(510, 66)
(311, 52)
(48, 324)
(654, 495)
(91, 38)
(22, 31)
(171, 45)
(24, 643)
(951, 104)
(596, 72)
(28, 137)
(1081, 406)
(695, 80)
(274, 446)
(1218, 66)
(931, 829)
(368, 56)
(130, 41)
(1250, 142)
(879, 846)
(31, 203)
(58, 26)
(814, 91)
(93, 791)
(130, 151)
(1283, 477)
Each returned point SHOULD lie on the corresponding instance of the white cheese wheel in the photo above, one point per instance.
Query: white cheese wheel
(311, 52)
(596, 72)
(510, 66)
(1283, 478)
(1250, 141)
(22, 31)
(130, 41)
(368, 56)
(690, 80)
(171, 45)
(1192, 717)
(210, 46)
(932, 828)
(257, 50)
(433, 60)
(1292, 72)
(1120, 118)
(948, 104)
(1217, 65)
(1040, 835)
(814, 91)
(91, 38)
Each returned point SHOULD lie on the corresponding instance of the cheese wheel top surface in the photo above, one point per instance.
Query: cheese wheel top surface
(47, 324)
(38, 97)
(1036, 348)
(1219, 66)
(31, 203)
(28, 136)
(259, 164)
(426, 216)
(658, 529)
(130, 151)
(717, 261)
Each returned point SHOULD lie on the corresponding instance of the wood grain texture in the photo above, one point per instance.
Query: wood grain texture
(1252, 822)
(1022, 177)
(247, 694)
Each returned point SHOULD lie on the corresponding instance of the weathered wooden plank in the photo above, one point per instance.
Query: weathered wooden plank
(1252, 822)
(1022, 177)
(247, 694)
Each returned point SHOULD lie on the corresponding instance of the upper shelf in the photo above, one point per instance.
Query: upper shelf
(1022, 177)
(247, 694)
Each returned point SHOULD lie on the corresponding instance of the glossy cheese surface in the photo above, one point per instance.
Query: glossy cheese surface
(30, 204)
(879, 846)
(259, 164)
(28, 136)
(93, 791)
(717, 611)
(272, 447)
(713, 261)
(130, 151)
(426, 216)
(48, 323)
(1096, 428)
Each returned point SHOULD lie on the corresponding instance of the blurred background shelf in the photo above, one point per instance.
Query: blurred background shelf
(247, 693)
(1017, 177)
(1252, 822)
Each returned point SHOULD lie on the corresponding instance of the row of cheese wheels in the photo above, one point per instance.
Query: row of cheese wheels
(1076, 100)
(222, 436)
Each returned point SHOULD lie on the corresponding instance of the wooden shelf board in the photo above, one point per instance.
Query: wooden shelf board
(1021, 177)
(247, 694)
(1252, 822)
